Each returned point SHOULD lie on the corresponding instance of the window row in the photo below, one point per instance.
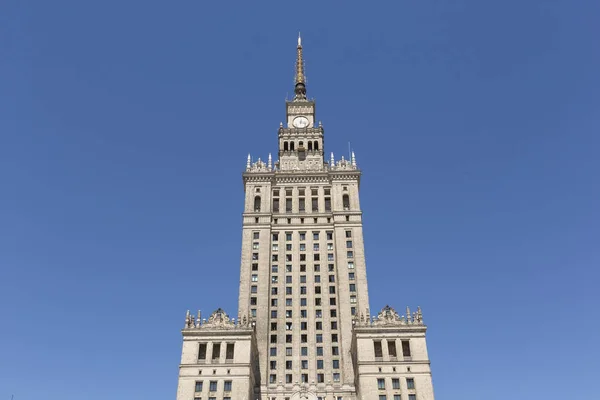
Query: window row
(310, 145)
(391, 345)
(216, 351)
(302, 235)
(335, 364)
(335, 351)
(410, 383)
(303, 339)
(213, 386)
(304, 378)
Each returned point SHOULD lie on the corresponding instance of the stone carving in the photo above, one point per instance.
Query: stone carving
(389, 317)
(219, 319)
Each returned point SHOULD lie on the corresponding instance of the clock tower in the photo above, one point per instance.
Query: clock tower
(304, 328)
(300, 141)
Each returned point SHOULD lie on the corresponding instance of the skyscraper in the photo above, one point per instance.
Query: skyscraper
(304, 328)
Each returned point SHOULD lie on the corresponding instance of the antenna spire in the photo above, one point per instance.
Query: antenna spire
(300, 80)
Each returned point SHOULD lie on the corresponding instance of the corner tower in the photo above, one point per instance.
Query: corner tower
(304, 328)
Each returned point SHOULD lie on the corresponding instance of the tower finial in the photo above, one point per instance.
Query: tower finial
(300, 80)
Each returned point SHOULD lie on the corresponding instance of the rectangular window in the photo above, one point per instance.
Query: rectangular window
(319, 338)
(198, 386)
(397, 397)
(327, 204)
(288, 247)
(329, 235)
(255, 246)
(412, 397)
(320, 378)
(254, 266)
(273, 290)
(273, 378)
(332, 301)
(319, 351)
(254, 289)
(406, 348)
(351, 276)
(348, 244)
(275, 236)
(382, 397)
(253, 301)
(288, 378)
(302, 236)
(304, 338)
(303, 312)
(319, 364)
(315, 235)
(350, 254)
(381, 384)
(227, 386)
(275, 205)
(273, 339)
(274, 279)
(336, 378)
(288, 290)
(316, 247)
(302, 289)
(213, 386)
(273, 351)
(348, 234)
(377, 348)
(273, 313)
(253, 312)
(302, 246)
(273, 326)
(288, 237)
(336, 364)
(410, 383)
(330, 257)
(216, 351)
(288, 351)
(288, 279)
(288, 365)
(317, 268)
(315, 204)
(395, 383)
(352, 300)
(304, 351)
(335, 351)
(274, 257)
(288, 257)
(352, 287)
(330, 246)
(255, 235)
(331, 289)
(333, 325)
(255, 256)
(230, 351)
(202, 351)
(302, 278)
(334, 337)
(316, 257)
(301, 205)
(350, 265)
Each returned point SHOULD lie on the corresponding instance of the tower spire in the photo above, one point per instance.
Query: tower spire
(300, 79)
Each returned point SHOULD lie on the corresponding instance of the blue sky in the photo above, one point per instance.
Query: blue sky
(124, 129)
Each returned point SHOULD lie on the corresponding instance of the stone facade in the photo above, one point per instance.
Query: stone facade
(303, 329)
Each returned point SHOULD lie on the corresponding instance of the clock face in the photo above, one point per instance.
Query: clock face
(300, 122)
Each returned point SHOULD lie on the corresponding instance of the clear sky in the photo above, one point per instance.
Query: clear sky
(124, 130)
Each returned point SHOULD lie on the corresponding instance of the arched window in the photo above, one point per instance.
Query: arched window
(316, 145)
(285, 146)
(310, 145)
(292, 146)
(346, 201)
(257, 203)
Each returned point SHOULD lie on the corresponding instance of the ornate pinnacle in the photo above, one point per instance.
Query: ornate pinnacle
(332, 160)
(270, 162)
(300, 79)
(248, 162)
(353, 160)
